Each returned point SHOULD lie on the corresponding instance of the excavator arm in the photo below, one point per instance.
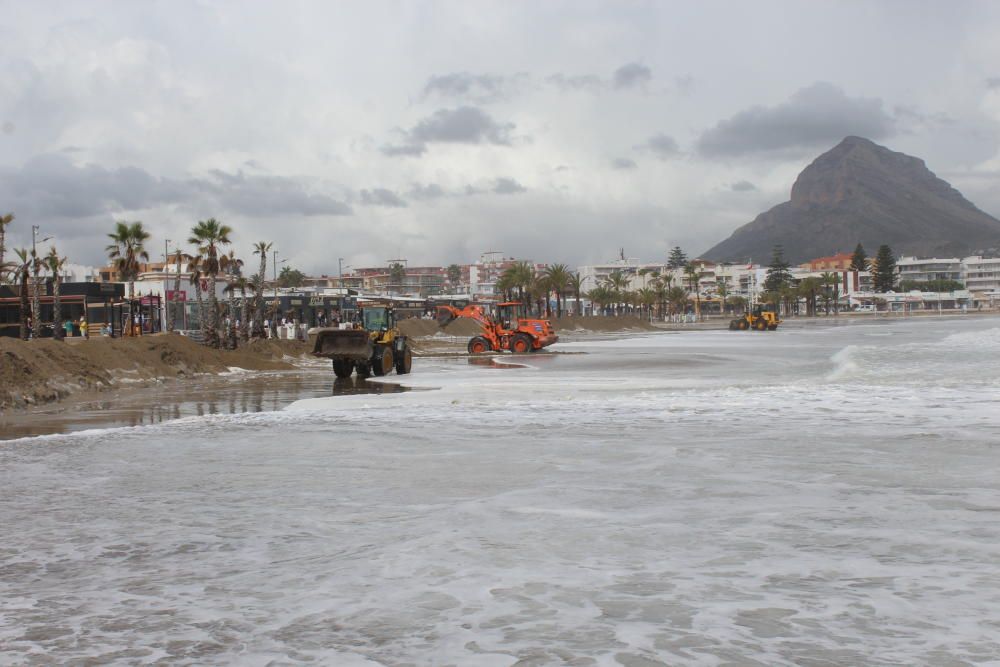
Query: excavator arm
(447, 314)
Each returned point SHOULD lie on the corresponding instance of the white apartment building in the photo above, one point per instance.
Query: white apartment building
(981, 276)
(924, 270)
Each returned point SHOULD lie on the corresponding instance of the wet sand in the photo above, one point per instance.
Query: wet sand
(232, 394)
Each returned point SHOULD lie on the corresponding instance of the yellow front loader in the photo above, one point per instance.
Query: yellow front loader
(760, 318)
(374, 345)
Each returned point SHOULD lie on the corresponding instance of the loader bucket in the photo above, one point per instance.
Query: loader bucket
(354, 344)
(444, 317)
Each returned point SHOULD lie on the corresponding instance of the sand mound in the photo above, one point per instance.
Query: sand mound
(466, 328)
(417, 328)
(602, 324)
(46, 370)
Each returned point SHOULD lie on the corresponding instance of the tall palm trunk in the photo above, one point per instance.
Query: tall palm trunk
(36, 300)
(244, 314)
(258, 301)
(213, 315)
(201, 308)
(57, 330)
(130, 327)
(24, 303)
(231, 329)
(177, 288)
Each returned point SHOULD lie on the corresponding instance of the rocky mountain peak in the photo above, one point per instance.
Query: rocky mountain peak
(859, 191)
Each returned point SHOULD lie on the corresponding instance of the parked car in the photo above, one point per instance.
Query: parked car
(866, 308)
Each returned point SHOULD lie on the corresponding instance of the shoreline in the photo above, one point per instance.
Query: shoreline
(281, 372)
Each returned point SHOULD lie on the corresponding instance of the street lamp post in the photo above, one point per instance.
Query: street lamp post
(168, 307)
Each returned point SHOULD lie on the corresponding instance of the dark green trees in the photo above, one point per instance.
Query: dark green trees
(859, 260)
(884, 270)
(778, 275)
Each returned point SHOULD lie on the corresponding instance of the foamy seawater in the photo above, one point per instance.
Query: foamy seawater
(811, 496)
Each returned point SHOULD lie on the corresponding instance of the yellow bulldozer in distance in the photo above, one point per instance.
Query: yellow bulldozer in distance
(761, 317)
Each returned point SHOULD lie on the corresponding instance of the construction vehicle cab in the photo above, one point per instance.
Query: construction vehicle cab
(374, 345)
(762, 317)
(378, 318)
(508, 314)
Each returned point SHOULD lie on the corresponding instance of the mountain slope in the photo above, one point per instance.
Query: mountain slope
(862, 192)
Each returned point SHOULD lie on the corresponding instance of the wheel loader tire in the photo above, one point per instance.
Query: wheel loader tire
(404, 362)
(343, 368)
(732, 325)
(479, 345)
(520, 344)
(382, 362)
(772, 327)
(364, 370)
(742, 325)
(761, 325)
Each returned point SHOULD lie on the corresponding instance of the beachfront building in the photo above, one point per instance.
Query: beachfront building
(486, 271)
(416, 280)
(839, 262)
(94, 303)
(981, 276)
(926, 270)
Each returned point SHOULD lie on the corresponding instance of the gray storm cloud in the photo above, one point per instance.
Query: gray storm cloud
(382, 197)
(817, 116)
(496, 124)
(661, 145)
(463, 125)
(632, 75)
(51, 186)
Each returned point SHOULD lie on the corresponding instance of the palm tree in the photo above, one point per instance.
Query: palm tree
(260, 248)
(504, 286)
(209, 235)
(576, 281)
(55, 264)
(693, 276)
(520, 276)
(239, 283)
(617, 282)
(723, 291)
(540, 288)
(231, 265)
(177, 288)
(558, 277)
(125, 252)
(646, 297)
(602, 296)
(4, 221)
(194, 269)
(678, 299)
(22, 269)
(810, 288)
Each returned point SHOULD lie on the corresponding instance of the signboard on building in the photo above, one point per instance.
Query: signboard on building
(176, 296)
(108, 288)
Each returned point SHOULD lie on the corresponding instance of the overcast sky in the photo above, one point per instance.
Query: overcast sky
(558, 131)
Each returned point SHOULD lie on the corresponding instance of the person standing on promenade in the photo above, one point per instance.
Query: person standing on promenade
(83, 327)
